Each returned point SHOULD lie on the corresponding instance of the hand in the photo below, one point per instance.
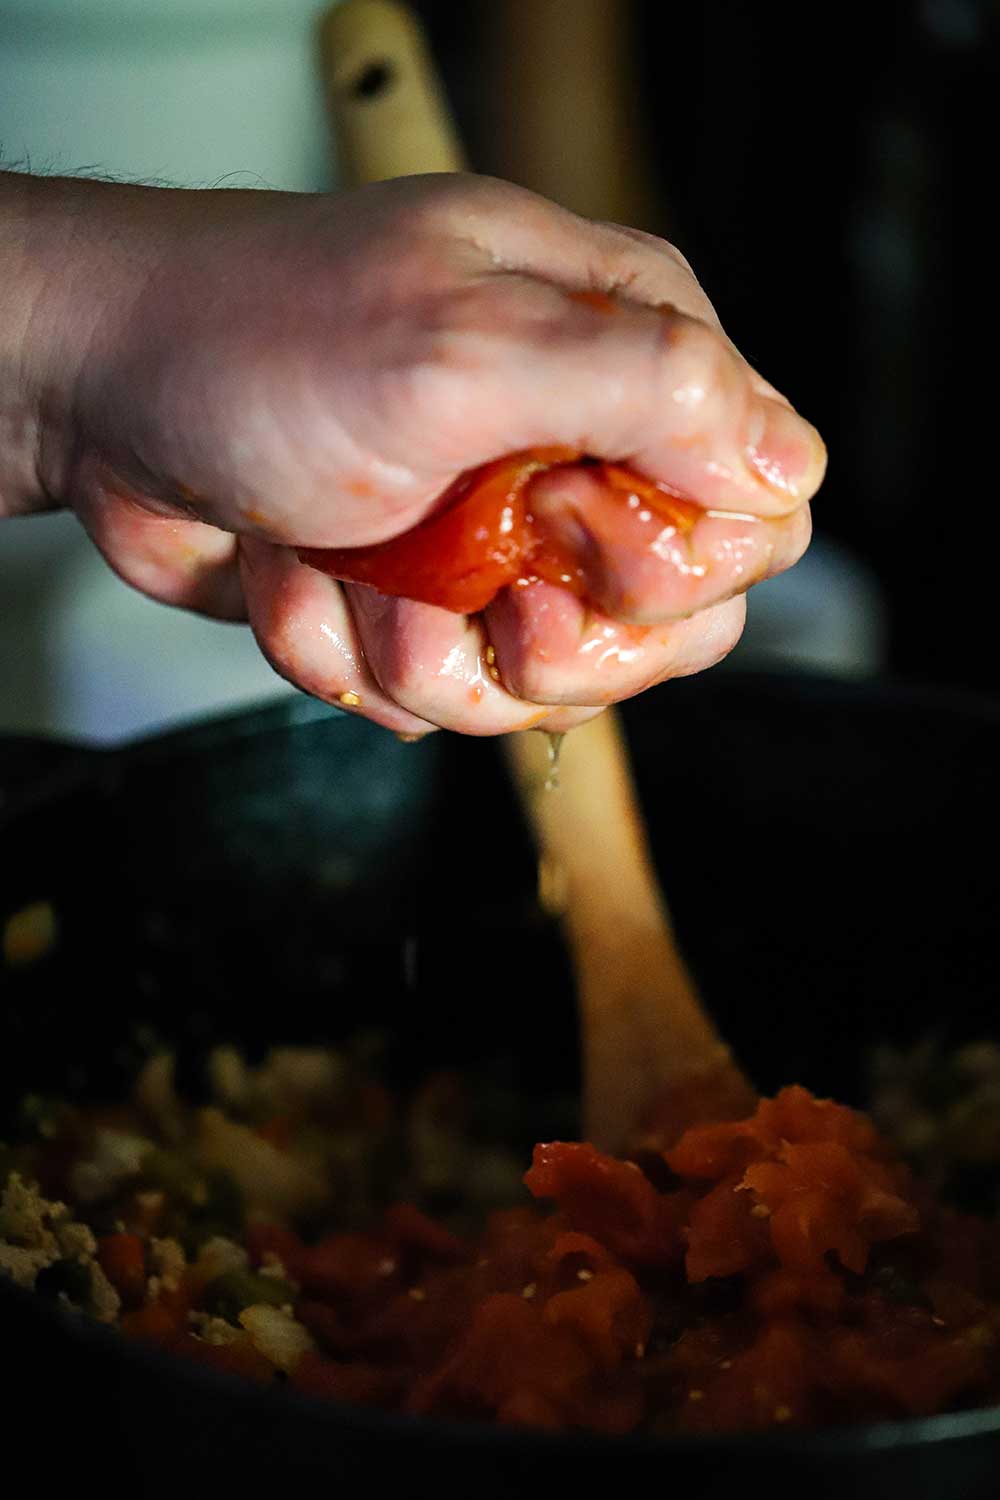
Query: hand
(212, 379)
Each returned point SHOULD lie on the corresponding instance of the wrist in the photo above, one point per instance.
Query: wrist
(64, 264)
(36, 360)
(19, 408)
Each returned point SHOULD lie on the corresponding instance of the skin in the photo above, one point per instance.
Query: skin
(210, 379)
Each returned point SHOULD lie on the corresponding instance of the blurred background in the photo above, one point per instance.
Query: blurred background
(825, 168)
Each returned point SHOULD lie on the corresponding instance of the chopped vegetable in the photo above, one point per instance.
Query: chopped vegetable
(228, 1295)
(784, 1269)
(28, 934)
(275, 1333)
(122, 1258)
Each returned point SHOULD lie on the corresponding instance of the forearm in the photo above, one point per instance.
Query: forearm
(36, 339)
(70, 260)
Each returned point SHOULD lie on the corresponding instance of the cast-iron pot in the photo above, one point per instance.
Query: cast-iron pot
(294, 873)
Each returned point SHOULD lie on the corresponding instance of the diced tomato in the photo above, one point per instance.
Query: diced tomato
(608, 1311)
(326, 1325)
(353, 1266)
(781, 1295)
(751, 1297)
(506, 1348)
(860, 1375)
(796, 1115)
(407, 1227)
(162, 1319)
(273, 1239)
(514, 1248)
(724, 1236)
(122, 1258)
(823, 1200)
(611, 1200)
(336, 1381)
(712, 1152)
(763, 1386)
(571, 1253)
(529, 1409)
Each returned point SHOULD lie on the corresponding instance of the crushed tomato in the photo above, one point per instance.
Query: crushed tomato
(793, 1273)
(482, 536)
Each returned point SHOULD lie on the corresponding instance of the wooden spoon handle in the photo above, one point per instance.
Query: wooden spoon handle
(645, 1032)
(643, 1027)
(389, 113)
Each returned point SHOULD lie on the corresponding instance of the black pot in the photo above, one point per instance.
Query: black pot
(293, 874)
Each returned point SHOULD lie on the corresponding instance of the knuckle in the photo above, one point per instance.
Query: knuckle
(696, 377)
(698, 357)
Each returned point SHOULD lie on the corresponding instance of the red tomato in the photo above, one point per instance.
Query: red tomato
(272, 1239)
(464, 554)
(122, 1258)
(484, 538)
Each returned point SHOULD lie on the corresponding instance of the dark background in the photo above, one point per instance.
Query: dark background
(829, 170)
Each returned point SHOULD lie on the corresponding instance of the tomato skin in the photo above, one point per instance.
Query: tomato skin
(483, 538)
(463, 555)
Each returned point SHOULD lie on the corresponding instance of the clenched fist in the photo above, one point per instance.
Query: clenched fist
(213, 380)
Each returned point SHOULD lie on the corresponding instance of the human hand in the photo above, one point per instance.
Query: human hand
(215, 379)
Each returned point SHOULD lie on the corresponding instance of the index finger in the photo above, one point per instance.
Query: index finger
(528, 364)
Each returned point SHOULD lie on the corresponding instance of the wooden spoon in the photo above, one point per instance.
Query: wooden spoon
(653, 1060)
(388, 111)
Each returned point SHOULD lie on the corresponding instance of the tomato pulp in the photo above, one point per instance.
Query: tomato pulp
(483, 536)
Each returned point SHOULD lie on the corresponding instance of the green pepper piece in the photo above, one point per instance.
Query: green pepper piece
(228, 1295)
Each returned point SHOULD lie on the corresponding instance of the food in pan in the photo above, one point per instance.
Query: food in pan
(308, 1228)
(940, 1106)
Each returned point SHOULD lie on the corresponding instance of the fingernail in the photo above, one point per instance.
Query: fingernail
(783, 450)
